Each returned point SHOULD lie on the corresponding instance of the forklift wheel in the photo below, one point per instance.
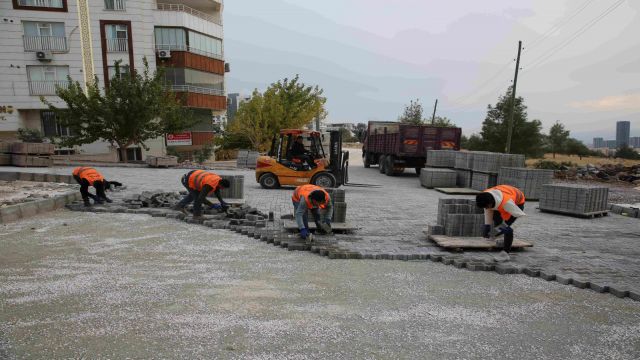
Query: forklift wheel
(269, 181)
(324, 179)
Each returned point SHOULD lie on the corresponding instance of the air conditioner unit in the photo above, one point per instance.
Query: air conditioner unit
(44, 55)
(164, 54)
(227, 67)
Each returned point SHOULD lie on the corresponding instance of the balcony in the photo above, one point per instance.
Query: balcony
(190, 49)
(42, 3)
(46, 87)
(52, 43)
(197, 90)
(189, 10)
(116, 5)
(117, 45)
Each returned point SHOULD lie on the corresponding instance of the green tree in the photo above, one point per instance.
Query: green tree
(30, 135)
(557, 139)
(347, 136)
(286, 104)
(625, 152)
(361, 131)
(130, 111)
(412, 113)
(526, 138)
(576, 147)
(442, 121)
(473, 142)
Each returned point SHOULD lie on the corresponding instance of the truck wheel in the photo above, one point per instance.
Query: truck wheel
(381, 163)
(388, 166)
(324, 179)
(269, 181)
(366, 161)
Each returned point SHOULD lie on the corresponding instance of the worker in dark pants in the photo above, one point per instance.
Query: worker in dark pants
(313, 198)
(199, 184)
(502, 205)
(88, 176)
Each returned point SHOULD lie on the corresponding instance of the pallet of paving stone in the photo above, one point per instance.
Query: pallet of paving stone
(236, 190)
(31, 161)
(589, 215)
(457, 191)
(482, 181)
(530, 181)
(629, 210)
(437, 177)
(441, 158)
(477, 243)
(489, 162)
(464, 178)
(574, 199)
(335, 226)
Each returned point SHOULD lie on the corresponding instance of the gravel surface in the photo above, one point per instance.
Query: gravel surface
(73, 285)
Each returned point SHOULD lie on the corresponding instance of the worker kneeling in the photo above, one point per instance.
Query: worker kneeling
(313, 198)
(502, 205)
(199, 184)
(88, 176)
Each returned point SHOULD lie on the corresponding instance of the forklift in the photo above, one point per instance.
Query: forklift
(280, 168)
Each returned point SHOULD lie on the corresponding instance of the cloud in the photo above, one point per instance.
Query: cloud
(610, 103)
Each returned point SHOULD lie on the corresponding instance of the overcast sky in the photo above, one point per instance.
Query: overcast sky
(580, 63)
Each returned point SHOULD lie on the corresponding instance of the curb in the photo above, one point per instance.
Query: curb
(32, 208)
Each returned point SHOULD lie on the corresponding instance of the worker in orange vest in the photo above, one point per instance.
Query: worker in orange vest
(312, 197)
(88, 176)
(502, 205)
(199, 184)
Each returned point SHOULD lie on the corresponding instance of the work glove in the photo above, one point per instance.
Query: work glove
(215, 206)
(486, 229)
(327, 221)
(304, 233)
(224, 206)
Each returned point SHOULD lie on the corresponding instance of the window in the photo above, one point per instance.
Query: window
(44, 79)
(190, 77)
(205, 45)
(56, 4)
(124, 71)
(117, 38)
(44, 36)
(50, 126)
(114, 5)
(170, 38)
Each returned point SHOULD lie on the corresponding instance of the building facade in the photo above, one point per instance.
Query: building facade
(46, 41)
(233, 103)
(623, 130)
(598, 142)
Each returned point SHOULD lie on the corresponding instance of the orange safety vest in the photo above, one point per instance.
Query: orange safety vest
(87, 173)
(508, 193)
(306, 190)
(200, 178)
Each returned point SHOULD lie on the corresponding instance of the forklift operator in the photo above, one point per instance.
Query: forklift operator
(298, 151)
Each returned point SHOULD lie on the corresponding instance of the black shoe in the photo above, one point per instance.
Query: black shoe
(508, 240)
(87, 203)
(108, 200)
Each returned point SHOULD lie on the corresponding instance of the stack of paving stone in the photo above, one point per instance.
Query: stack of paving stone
(626, 210)
(162, 161)
(339, 204)
(5, 153)
(438, 177)
(458, 217)
(463, 166)
(32, 154)
(441, 158)
(151, 199)
(236, 190)
(573, 199)
(247, 159)
(486, 166)
(530, 181)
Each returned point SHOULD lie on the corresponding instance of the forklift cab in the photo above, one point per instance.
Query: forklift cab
(282, 149)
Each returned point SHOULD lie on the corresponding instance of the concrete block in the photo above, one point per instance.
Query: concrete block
(482, 181)
(634, 294)
(436, 177)
(503, 269)
(564, 279)
(8, 175)
(10, 213)
(25, 176)
(435, 257)
(459, 263)
(619, 290)
(531, 272)
(441, 158)
(580, 283)
(46, 205)
(476, 266)
(598, 287)
(28, 209)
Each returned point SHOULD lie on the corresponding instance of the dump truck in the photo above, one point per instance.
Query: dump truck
(394, 146)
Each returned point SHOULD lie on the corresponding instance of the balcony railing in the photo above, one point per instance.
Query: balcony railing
(41, 3)
(189, 49)
(117, 45)
(189, 10)
(46, 87)
(37, 43)
(114, 5)
(196, 89)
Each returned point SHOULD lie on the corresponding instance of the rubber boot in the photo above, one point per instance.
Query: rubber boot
(508, 240)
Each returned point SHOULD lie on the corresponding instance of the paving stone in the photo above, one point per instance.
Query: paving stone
(634, 294)
(531, 272)
(504, 269)
(459, 263)
(547, 275)
(563, 279)
(598, 287)
(580, 283)
(620, 291)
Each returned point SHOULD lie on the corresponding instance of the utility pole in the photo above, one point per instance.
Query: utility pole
(317, 122)
(513, 100)
(433, 117)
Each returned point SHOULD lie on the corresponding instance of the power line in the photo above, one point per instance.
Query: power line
(559, 25)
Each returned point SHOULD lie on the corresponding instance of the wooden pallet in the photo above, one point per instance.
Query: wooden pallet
(478, 243)
(335, 226)
(458, 191)
(589, 215)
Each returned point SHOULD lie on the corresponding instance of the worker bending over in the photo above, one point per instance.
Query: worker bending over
(88, 176)
(501, 204)
(312, 197)
(199, 184)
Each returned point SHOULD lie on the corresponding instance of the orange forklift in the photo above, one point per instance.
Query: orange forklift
(281, 168)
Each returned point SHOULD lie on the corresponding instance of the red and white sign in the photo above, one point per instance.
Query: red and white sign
(179, 139)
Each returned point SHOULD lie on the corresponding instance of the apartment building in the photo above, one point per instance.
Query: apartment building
(44, 41)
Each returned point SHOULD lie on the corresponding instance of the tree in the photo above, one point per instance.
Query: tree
(285, 104)
(625, 152)
(576, 147)
(130, 111)
(526, 139)
(442, 121)
(361, 131)
(557, 139)
(347, 136)
(412, 113)
(473, 142)
(30, 135)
